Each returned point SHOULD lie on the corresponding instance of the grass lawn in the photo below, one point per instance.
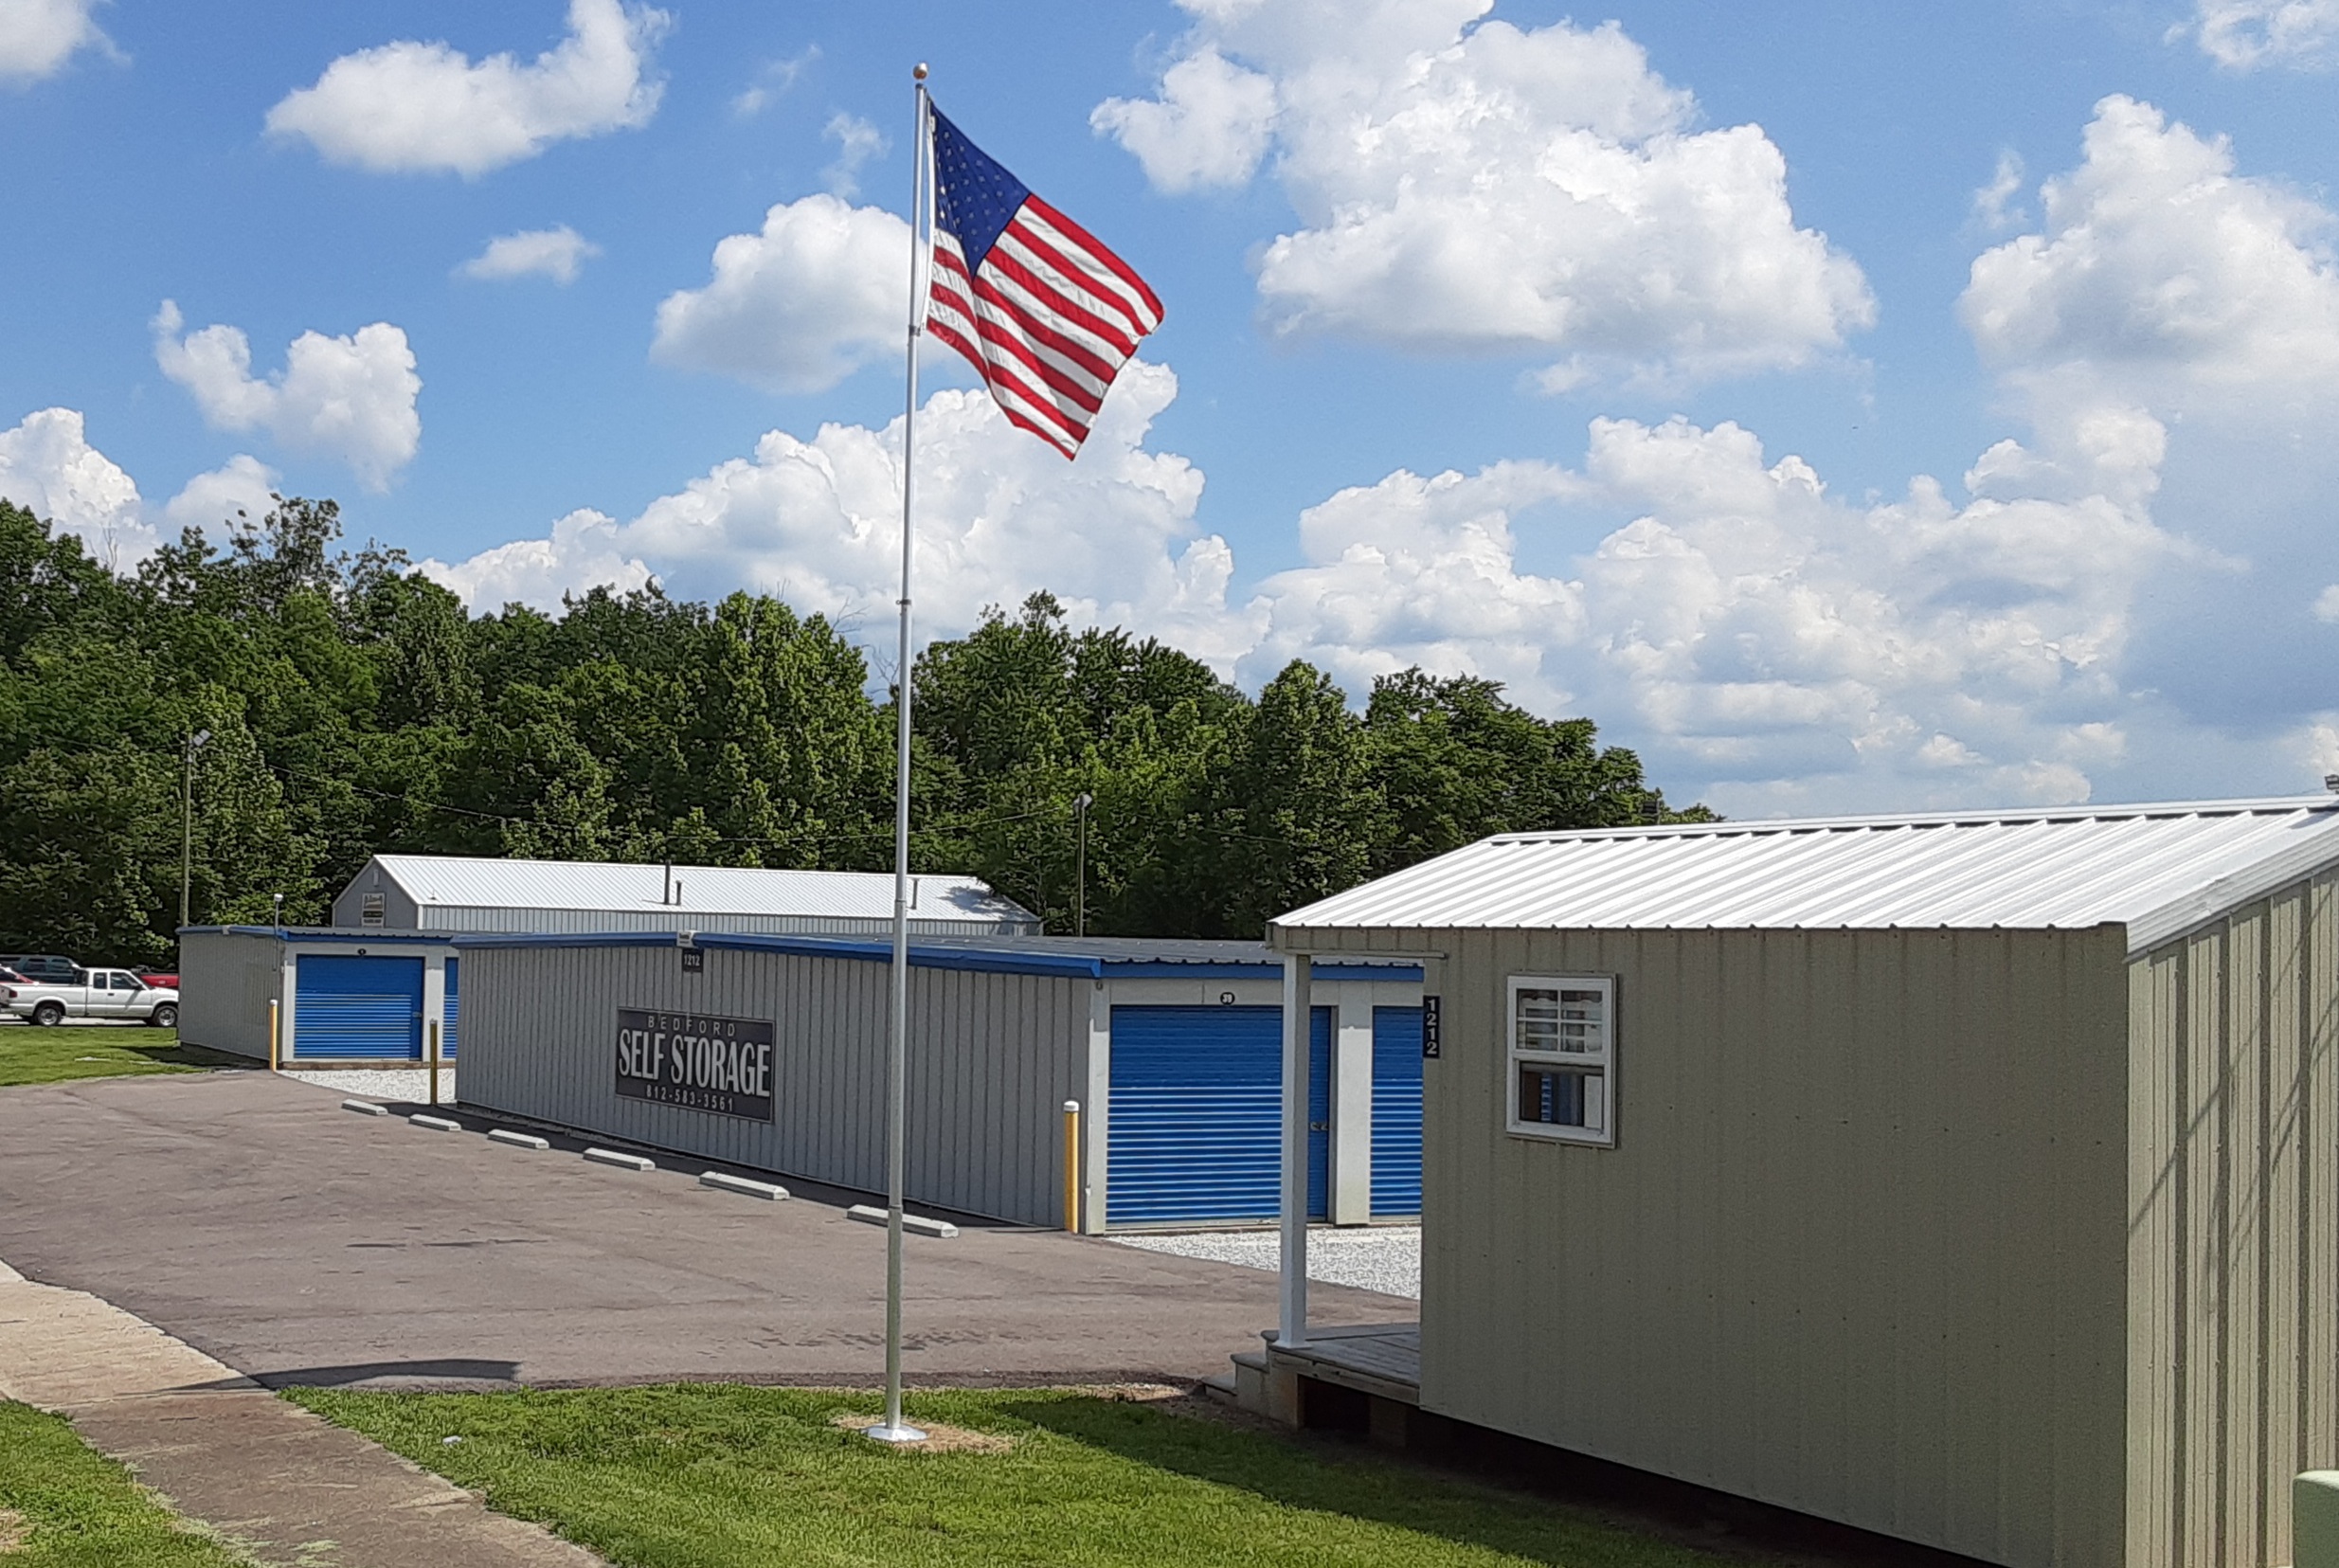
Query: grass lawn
(33, 1056)
(720, 1476)
(63, 1505)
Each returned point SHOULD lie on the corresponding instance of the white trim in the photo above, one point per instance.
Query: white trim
(1594, 1060)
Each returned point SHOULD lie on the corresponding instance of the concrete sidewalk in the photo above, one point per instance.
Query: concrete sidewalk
(274, 1481)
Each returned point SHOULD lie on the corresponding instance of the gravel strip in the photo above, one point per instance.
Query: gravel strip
(1386, 1258)
(387, 1084)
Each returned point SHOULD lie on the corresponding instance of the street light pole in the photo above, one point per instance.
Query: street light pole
(187, 826)
(1080, 863)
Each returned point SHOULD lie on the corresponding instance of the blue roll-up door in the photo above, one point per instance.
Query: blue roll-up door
(347, 1007)
(1396, 1110)
(1194, 1133)
(454, 1011)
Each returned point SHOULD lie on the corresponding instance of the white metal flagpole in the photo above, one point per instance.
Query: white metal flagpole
(897, 1053)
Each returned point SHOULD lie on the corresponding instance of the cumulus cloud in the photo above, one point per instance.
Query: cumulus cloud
(1468, 186)
(1993, 203)
(242, 485)
(37, 37)
(817, 521)
(555, 253)
(2326, 605)
(350, 398)
(48, 467)
(2243, 35)
(820, 292)
(2160, 275)
(413, 107)
(1781, 648)
(1209, 127)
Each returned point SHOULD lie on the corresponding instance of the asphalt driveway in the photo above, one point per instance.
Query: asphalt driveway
(257, 1221)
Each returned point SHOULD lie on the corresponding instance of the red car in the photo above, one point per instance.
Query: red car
(157, 979)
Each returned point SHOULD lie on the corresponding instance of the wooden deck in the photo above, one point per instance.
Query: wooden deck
(1383, 1358)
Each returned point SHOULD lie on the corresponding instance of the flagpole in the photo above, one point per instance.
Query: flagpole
(897, 1052)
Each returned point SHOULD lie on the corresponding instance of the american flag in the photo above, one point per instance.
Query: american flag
(1046, 313)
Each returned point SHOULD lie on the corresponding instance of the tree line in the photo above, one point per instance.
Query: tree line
(354, 706)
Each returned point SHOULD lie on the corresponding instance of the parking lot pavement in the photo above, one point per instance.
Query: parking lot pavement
(254, 1218)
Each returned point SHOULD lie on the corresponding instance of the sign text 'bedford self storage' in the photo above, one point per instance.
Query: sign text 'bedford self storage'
(698, 1061)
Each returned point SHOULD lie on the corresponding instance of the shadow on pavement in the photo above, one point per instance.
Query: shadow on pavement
(458, 1370)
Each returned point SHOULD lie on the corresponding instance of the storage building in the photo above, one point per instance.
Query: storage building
(372, 986)
(769, 1051)
(450, 893)
(1973, 1178)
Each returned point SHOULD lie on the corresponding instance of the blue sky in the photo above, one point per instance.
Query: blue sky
(1606, 355)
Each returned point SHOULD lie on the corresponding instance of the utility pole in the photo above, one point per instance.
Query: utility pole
(187, 826)
(1080, 863)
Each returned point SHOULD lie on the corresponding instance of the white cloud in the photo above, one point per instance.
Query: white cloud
(351, 398)
(213, 500)
(1468, 186)
(2242, 35)
(37, 37)
(2160, 276)
(2326, 605)
(772, 82)
(1209, 127)
(555, 253)
(999, 514)
(48, 467)
(858, 141)
(821, 291)
(414, 107)
(1992, 202)
(1764, 644)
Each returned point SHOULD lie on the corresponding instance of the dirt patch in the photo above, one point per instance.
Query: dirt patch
(939, 1439)
(14, 1527)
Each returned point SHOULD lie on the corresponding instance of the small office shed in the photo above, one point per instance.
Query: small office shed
(769, 1050)
(340, 996)
(451, 892)
(1973, 1178)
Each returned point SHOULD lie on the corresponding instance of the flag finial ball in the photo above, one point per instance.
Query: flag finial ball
(920, 72)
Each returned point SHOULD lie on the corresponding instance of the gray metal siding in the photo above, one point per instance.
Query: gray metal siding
(991, 1059)
(2233, 1365)
(469, 917)
(226, 980)
(1861, 1249)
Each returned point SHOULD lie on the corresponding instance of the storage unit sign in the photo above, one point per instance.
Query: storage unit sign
(698, 1061)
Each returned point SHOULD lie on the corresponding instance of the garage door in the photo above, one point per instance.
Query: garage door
(347, 1006)
(454, 1011)
(1396, 1110)
(1194, 1133)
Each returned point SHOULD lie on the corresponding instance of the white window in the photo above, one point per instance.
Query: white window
(1562, 1057)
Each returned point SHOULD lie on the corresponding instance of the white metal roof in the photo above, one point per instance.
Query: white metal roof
(443, 881)
(2158, 869)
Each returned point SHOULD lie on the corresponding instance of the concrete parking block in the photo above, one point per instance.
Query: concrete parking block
(623, 1161)
(518, 1140)
(436, 1124)
(917, 1224)
(364, 1107)
(728, 1183)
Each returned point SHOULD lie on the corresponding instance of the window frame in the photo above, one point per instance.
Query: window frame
(1604, 1063)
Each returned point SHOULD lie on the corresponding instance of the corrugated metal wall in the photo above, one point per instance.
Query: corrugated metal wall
(1861, 1249)
(226, 980)
(993, 1057)
(2233, 1187)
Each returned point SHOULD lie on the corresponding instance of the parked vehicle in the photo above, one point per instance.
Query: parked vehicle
(101, 994)
(44, 968)
(159, 979)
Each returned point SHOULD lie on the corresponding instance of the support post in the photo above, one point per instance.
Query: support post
(1298, 992)
(434, 1061)
(275, 1060)
(1072, 1166)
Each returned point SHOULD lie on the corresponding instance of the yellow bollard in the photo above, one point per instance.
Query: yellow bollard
(273, 1056)
(1072, 1164)
(434, 1061)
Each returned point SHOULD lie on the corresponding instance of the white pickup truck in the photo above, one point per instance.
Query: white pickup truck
(100, 993)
